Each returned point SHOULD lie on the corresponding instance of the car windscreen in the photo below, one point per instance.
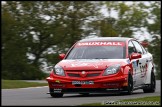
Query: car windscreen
(97, 51)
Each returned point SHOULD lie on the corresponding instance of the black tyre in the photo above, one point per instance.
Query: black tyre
(84, 94)
(55, 94)
(129, 88)
(151, 87)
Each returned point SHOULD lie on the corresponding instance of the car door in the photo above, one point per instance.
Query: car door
(135, 67)
(148, 64)
(142, 63)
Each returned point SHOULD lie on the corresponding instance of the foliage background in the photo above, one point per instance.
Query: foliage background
(35, 32)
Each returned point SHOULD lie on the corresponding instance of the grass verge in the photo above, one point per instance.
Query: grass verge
(145, 101)
(9, 84)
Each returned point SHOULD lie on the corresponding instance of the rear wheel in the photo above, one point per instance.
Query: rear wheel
(151, 87)
(55, 94)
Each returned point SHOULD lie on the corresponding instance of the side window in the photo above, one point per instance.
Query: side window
(138, 47)
(131, 48)
(144, 51)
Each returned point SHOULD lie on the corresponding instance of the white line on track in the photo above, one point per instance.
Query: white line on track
(25, 88)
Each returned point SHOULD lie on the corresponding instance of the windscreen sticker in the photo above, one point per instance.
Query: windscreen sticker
(100, 44)
(81, 64)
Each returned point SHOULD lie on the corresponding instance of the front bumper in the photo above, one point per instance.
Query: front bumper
(101, 84)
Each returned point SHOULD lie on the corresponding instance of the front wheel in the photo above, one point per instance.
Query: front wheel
(129, 88)
(55, 94)
(151, 87)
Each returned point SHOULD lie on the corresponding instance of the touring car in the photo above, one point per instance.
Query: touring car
(103, 64)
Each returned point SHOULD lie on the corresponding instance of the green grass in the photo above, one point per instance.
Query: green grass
(9, 84)
(145, 101)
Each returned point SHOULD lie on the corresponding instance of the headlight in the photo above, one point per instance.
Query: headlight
(112, 69)
(58, 70)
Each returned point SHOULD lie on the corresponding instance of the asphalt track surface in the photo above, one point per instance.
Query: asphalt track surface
(37, 97)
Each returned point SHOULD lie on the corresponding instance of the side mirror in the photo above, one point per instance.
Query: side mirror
(144, 44)
(135, 56)
(61, 56)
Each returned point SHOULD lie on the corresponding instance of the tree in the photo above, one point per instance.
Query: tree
(43, 26)
(130, 19)
(34, 33)
(14, 59)
(155, 31)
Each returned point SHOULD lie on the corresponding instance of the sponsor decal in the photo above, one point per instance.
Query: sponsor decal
(143, 69)
(134, 64)
(57, 81)
(81, 64)
(137, 63)
(100, 44)
(57, 90)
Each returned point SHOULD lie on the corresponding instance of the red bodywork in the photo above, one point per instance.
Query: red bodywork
(111, 81)
(91, 71)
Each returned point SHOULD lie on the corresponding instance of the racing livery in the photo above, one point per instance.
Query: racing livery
(104, 64)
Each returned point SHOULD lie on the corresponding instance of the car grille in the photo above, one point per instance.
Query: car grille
(73, 75)
(93, 75)
(78, 73)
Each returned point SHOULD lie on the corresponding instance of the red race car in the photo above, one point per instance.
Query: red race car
(102, 65)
